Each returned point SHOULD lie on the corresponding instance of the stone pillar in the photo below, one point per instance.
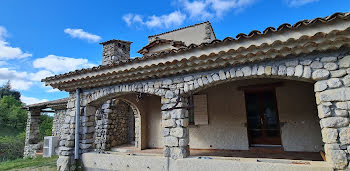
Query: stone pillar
(333, 100)
(87, 129)
(66, 160)
(32, 133)
(175, 127)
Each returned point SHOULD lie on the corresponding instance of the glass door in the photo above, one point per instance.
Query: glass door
(262, 118)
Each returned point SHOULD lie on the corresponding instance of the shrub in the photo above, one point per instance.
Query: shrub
(11, 147)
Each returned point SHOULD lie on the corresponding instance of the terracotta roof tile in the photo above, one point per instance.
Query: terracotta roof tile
(240, 36)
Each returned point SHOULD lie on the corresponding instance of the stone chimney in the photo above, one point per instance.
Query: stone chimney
(115, 51)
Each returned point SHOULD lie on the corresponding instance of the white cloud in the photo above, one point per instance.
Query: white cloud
(175, 18)
(59, 64)
(8, 52)
(38, 76)
(213, 8)
(18, 80)
(81, 34)
(31, 100)
(298, 3)
(3, 63)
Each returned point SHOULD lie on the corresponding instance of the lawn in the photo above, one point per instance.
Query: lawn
(36, 163)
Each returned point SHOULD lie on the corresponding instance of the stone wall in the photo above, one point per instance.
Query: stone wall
(112, 125)
(58, 121)
(32, 134)
(328, 70)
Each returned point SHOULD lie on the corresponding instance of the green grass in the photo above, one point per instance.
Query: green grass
(7, 131)
(28, 162)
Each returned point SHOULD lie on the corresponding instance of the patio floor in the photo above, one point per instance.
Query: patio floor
(272, 153)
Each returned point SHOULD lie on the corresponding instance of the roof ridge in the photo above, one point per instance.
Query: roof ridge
(180, 28)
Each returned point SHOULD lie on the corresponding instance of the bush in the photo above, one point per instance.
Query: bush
(11, 147)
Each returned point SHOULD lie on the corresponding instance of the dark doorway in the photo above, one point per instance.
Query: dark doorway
(262, 117)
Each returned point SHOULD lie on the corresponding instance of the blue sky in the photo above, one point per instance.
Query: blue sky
(42, 38)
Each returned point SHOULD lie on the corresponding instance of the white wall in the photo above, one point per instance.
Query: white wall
(227, 117)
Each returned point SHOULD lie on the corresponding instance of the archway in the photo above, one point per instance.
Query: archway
(290, 129)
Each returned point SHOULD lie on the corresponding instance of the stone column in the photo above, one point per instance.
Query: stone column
(333, 100)
(32, 132)
(66, 160)
(87, 129)
(175, 126)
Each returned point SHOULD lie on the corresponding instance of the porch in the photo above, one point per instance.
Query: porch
(153, 160)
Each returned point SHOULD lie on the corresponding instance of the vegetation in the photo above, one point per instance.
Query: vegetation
(11, 147)
(38, 162)
(13, 123)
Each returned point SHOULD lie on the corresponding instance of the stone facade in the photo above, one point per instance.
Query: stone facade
(113, 125)
(58, 121)
(32, 142)
(114, 51)
(329, 71)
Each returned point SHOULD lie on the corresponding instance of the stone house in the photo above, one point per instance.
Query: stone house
(272, 100)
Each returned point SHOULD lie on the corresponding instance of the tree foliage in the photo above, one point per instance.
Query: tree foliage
(6, 90)
(11, 113)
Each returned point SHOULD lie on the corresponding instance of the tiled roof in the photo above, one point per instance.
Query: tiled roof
(48, 103)
(241, 53)
(158, 42)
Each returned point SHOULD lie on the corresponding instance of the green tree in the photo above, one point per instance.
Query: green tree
(6, 90)
(46, 122)
(11, 112)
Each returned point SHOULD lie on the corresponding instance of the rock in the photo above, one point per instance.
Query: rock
(320, 86)
(200, 82)
(169, 123)
(338, 73)
(167, 82)
(329, 135)
(169, 94)
(239, 73)
(306, 62)
(165, 132)
(342, 105)
(183, 142)
(216, 77)
(232, 72)
(328, 59)
(63, 163)
(178, 113)
(171, 141)
(246, 71)
(274, 70)
(316, 65)
(320, 74)
(210, 78)
(178, 132)
(298, 71)
(340, 94)
(255, 70)
(268, 70)
(188, 78)
(337, 158)
(344, 62)
(222, 75)
(261, 70)
(334, 122)
(292, 63)
(323, 111)
(282, 70)
(334, 83)
(290, 71)
(343, 113)
(227, 74)
(346, 80)
(331, 66)
(307, 72)
(179, 152)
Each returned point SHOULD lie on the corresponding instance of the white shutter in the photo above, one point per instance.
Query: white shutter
(200, 109)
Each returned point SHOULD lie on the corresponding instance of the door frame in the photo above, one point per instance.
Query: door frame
(259, 89)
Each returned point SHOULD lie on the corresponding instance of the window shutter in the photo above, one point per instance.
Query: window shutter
(200, 109)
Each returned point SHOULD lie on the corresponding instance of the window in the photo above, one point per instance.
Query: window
(199, 114)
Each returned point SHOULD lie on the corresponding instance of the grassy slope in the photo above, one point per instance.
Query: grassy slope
(32, 163)
(6, 131)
